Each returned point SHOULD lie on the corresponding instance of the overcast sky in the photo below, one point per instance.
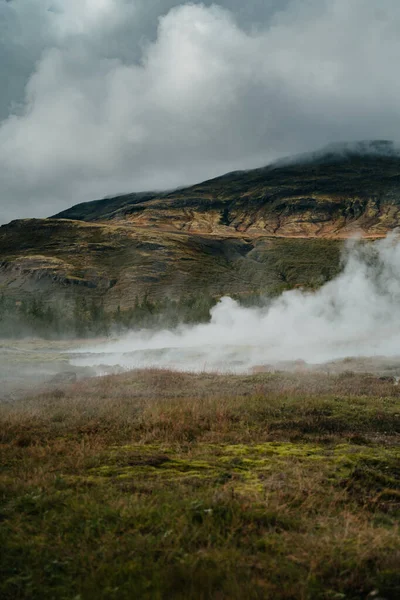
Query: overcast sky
(100, 97)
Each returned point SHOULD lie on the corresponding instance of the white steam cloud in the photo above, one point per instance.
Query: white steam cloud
(356, 314)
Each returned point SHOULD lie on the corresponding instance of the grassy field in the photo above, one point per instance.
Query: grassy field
(160, 485)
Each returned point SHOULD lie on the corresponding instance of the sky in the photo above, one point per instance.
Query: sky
(102, 97)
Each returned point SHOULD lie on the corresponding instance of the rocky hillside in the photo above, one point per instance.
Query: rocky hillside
(333, 193)
(250, 232)
(61, 258)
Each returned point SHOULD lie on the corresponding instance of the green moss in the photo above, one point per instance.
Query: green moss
(243, 466)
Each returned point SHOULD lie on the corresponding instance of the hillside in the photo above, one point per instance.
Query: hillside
(117, 263)
(331, 193)
(245, 233)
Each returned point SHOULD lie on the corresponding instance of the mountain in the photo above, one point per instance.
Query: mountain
(247, 232)
(61, 258)
(331, 193)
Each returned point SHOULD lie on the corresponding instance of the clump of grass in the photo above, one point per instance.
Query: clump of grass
(166, 485)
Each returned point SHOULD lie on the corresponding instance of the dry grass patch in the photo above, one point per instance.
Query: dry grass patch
(167, 485)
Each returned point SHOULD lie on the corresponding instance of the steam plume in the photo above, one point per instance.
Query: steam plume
(356, 314)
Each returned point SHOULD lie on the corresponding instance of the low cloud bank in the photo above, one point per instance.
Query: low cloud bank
(101, 97)
(356, 314)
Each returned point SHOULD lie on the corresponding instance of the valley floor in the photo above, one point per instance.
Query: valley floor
(156, 485)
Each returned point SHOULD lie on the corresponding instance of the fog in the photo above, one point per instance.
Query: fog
(355, 315)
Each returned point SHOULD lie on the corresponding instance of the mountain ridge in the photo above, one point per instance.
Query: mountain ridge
(329, 193)
(256, 232)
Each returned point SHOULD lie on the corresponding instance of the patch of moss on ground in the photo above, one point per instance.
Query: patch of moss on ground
(246, 466)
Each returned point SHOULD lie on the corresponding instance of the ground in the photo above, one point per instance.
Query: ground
(154, 484)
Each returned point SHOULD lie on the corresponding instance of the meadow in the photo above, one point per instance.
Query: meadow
(158, 485)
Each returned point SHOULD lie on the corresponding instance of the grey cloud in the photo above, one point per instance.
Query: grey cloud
(112, 96)
(27, 29)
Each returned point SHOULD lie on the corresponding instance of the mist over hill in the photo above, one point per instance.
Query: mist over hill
(338, 151)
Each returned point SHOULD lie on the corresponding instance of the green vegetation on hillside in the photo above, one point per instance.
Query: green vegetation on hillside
(37, 318)
(203, 272)
(88, 318)
(61, 262)
(158, 485)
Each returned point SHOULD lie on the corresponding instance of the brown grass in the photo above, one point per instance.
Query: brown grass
(156, 484)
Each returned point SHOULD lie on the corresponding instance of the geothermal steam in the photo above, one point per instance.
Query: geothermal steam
(356, 314)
